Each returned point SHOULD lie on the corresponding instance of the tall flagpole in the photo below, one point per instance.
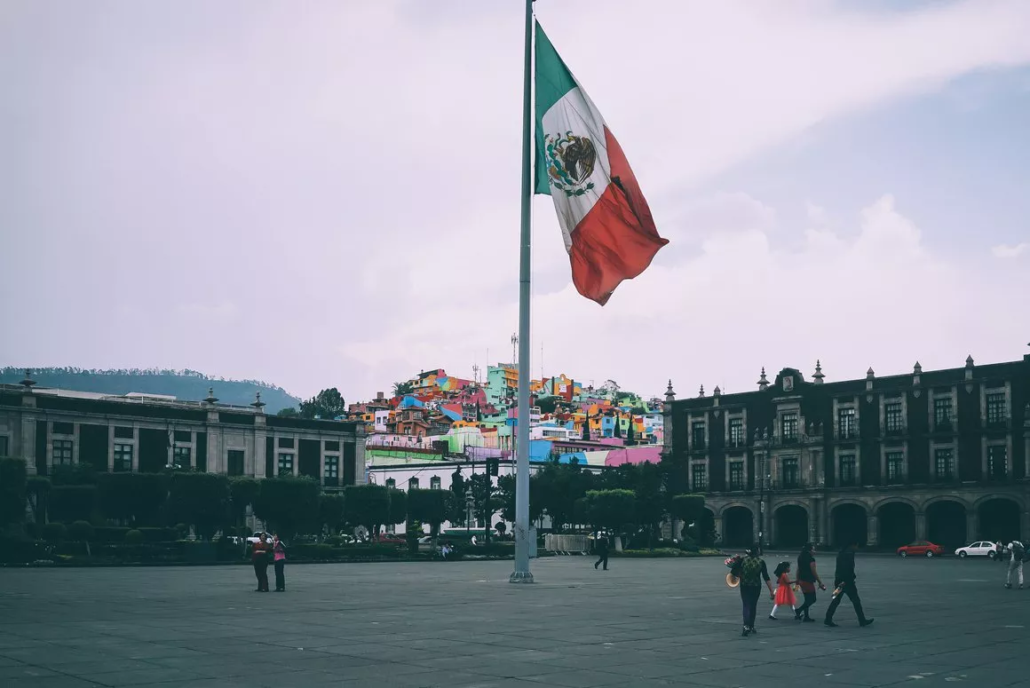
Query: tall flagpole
(521, 573)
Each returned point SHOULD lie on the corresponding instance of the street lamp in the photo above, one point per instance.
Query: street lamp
(470, 502)
(762, 443)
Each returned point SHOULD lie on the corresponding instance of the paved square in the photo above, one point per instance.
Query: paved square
(658, 622)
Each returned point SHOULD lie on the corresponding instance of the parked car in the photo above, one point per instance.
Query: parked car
(257, 536)
(387, 539)
(922, 548)
(984, 548)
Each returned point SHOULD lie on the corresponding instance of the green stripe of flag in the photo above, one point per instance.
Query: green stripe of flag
(553, 81)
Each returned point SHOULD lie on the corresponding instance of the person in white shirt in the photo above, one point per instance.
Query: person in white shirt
(1016, 551)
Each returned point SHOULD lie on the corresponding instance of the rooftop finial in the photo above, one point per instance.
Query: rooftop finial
(211, 396)
(763, 383)
(969, 361)
(870, 374)
(818, 377)
(28, 382)
(701, 392)
(717, 391)
(917, 369)
(670, 395)
(257, 403)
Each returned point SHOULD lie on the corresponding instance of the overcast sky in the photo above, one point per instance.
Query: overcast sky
(326, 193)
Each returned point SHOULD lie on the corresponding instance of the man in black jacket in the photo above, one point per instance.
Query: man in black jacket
(844, 582)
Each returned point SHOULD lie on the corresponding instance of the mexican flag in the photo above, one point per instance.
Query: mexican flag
(607, 226)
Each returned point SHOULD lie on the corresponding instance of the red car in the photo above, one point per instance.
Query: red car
(921, 549)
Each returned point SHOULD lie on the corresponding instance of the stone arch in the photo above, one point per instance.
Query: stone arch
(850, 521)
(1017, 499)
(896, 521)
(704, 532)
(946, 519)
(791, 521)
(999, 518)
(738, 525)
(897, 499)
(729, 505)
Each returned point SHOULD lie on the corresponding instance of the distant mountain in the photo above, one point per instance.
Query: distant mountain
(188, 385)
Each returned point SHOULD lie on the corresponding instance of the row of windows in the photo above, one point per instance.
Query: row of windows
(944, 469)
(413, 483)
(847, 421)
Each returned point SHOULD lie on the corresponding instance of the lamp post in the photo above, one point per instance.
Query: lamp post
(762, 442)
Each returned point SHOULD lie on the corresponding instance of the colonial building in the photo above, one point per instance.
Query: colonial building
(939, 455)
(147, 433)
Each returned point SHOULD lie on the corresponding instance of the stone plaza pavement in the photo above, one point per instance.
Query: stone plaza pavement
(657, 622)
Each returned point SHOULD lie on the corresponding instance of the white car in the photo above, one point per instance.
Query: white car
(257, 536)
(984, 548)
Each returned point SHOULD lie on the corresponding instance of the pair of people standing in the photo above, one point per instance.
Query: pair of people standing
(260, 555)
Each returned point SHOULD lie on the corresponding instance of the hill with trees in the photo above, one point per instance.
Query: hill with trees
(188, 385)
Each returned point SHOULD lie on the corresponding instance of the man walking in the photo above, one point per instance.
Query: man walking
(1016, 552)
(601, 547)
(844, 584)
(808, 577)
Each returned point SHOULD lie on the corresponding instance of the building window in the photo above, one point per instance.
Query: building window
(123, 458)
(285, 464)
(331, 472)
(791, 472)
(943, 461)
(846, 423)
(698, 430)
(736, 475)
(895, 468)
(4, 445)
(942, 413)
(996, 408)
(286, 443)
(413, 484)
(736, 432)
(997, 462)
(122, 433)
(434, 483)
(181, 456)
(789, 426)
(700, 477)
(235, 462)
(893, 418)
(62, 452)
(332, 446)
(848, 474)
(183, 436)
(64, 428)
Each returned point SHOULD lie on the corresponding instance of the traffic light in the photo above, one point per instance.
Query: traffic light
(493, 467)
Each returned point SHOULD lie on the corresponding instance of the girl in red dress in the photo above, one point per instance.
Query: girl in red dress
(784, 590)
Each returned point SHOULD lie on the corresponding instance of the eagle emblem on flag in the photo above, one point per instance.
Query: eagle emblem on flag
(570, 162)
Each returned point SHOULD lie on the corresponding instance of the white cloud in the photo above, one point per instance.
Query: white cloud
(351, 172)
(1006, 251)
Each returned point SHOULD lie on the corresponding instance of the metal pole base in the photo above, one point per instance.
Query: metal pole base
(521, 577)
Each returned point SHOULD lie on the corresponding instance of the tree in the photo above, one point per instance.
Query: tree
(288, 412)
(289, 505)
(456, 506)
(428, 506)
(331, 509)
(688, 508)
(327, 404)
(76, 474)
(402, 388)
(72, 503)
(81, 531)
(618, 426)
(37, 488)
(398, 507)
(647, 489)
(367, 505)
(559, 486)
(631, 435)
(137, 498)
(242, 493)
(506, 491)
(12, 490)
(485, 503)
(611, 509)
(200, 500)
(547, 404)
